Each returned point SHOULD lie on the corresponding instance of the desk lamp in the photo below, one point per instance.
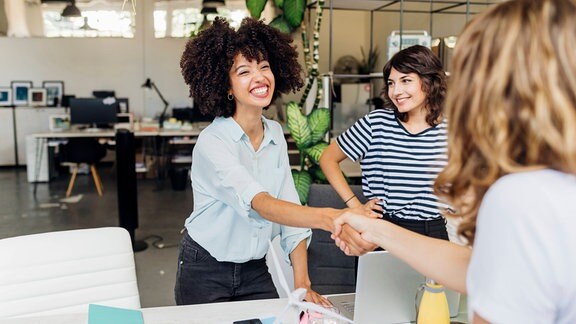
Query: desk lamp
(151, 85)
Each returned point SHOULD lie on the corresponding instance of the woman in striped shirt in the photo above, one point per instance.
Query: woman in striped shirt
(401, 148)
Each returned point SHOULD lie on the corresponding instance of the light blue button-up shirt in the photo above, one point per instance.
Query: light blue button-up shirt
(226, 175)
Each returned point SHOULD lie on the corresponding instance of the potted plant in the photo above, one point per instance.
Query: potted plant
(308, 131)
(290, 17)
(368, 62)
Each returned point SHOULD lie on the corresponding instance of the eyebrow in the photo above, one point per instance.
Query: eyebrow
(239, 67)
(401, 78)
(246, 65)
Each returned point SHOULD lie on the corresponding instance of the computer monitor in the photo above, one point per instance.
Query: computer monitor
(103, 93)
(191, 115)
(96, 112)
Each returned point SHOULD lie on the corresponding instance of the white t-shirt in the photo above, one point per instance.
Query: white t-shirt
(523, 265)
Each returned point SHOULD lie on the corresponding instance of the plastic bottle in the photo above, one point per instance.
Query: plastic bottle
(433, 308)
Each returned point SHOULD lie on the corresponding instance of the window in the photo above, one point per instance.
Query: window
(98, 20)
(183, 18)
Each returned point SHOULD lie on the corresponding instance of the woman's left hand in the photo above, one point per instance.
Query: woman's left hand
(316, 298)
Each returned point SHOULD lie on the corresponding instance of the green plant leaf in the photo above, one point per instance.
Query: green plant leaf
(279, 3)
(255, 7)
(281, 24)
(294, 11)
(298, 126)
(302, 181)
(318, 174)
(315, 151)
(319, 123)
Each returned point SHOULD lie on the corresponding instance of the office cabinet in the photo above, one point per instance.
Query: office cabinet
(29, 121)
(39, 159)
(7, 149)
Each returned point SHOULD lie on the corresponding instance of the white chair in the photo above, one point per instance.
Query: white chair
(63, 272)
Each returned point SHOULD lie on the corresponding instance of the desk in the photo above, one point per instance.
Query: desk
(36, 148)
(205, 313)
(191, 314)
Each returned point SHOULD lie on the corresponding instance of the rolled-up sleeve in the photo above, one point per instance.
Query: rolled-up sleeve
(291, 237)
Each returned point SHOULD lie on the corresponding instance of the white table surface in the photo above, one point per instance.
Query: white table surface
(192, 314)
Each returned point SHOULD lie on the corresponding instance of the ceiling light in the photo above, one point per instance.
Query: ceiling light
(208, 11)
(213, 3)
(71, 10)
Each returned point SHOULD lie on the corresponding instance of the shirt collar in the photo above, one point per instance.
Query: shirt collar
(269, 135)
(236, 132)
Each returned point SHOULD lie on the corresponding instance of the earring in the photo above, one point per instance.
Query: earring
(230, 96)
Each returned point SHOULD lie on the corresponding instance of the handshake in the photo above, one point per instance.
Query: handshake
(356, 230)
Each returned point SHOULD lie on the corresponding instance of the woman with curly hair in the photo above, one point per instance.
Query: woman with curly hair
(242, 183)
(401, 148)
(511, 172)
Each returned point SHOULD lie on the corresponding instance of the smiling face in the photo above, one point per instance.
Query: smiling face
(252, 83)
(405, 91)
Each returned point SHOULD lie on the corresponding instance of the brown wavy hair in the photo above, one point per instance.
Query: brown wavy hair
(422, 61)
(208, 58)
(511, 103)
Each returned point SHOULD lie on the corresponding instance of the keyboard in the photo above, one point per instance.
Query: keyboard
(93, 130)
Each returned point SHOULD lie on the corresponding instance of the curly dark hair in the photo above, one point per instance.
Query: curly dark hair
(208, 58)
(422, 61)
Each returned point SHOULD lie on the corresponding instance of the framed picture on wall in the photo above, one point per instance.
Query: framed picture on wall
(5, 97)
(54, 92)
(20, 92)
(37, 97)
(59, 123)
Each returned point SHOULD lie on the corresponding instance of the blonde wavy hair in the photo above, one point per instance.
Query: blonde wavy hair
(511, 103)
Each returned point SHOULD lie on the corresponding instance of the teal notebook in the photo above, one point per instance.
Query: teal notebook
(99, 314)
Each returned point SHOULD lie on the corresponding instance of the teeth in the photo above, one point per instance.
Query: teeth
(259, 91)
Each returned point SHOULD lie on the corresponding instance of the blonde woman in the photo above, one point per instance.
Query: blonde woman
(511, 172)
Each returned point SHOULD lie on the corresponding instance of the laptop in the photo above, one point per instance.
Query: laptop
(386, 289)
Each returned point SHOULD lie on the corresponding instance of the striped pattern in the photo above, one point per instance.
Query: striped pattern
(397, 166)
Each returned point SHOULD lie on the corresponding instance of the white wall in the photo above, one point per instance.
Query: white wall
(115, 64)
(123, 64)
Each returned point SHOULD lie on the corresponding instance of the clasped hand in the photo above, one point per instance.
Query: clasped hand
(348, 228)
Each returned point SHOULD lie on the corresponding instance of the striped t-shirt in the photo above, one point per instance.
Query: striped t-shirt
(397, 166)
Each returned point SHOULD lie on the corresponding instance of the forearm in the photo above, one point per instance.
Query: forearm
(445, 262)
(299, 258)
(330, 164)
(291, 214)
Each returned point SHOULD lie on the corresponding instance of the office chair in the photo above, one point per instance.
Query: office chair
(84, 150)
(331, 271)
(63, 272)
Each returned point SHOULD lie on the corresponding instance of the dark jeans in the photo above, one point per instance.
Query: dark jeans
(434, 228)
(202, 279)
